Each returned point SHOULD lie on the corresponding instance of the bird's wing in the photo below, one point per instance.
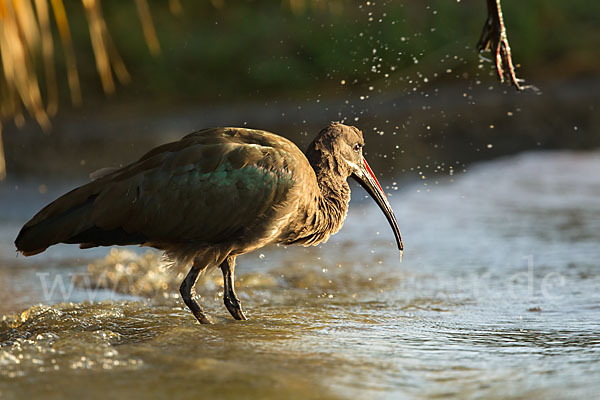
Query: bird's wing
(201, 193)
(207, 187)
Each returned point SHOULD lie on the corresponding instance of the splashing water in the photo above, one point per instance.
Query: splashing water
(497, 296)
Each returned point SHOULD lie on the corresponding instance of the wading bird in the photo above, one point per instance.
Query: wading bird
(212, 196)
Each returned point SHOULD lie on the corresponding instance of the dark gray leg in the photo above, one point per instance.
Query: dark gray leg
(229, 297)
(187, 293)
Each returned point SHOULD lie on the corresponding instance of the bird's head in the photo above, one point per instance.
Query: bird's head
(339, 147)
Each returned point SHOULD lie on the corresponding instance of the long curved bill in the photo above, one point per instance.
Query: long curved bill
(365, 176)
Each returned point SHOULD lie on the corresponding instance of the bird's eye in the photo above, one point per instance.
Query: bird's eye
(357, 146)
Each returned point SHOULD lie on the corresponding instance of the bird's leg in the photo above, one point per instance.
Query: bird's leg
(188, 292)
(494, 38)
(229, 297)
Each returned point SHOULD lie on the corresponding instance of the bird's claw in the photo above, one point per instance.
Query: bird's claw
(234, 307)
(229, 297)
(494, 38)
(203, 318)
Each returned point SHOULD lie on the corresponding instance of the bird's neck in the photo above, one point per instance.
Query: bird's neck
(325, 209)
(332, 205)
(335, 191)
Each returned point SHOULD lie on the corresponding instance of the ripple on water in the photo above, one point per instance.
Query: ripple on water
(346, 320)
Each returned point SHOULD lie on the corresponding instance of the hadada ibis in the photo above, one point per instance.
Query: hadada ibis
(212, 196)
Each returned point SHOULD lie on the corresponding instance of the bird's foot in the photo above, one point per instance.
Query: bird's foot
(494, 38)
(198, 312)
(202, 317)
(187, 294)
(229, 297)
(233, 306)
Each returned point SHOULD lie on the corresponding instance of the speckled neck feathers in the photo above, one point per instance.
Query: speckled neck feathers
(326, 215)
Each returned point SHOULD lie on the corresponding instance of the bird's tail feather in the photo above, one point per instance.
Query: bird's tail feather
(71, 219)
(48, 228)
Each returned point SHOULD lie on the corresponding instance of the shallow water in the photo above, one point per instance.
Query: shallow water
(498, 296)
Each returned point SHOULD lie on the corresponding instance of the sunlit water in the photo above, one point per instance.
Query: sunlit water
(498, 296)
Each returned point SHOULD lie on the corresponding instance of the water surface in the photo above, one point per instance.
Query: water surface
(498, 296)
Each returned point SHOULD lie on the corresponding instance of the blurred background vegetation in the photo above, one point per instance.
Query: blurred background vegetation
(405, 70)
(244, 49)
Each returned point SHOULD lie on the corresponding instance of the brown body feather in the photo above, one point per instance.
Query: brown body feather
(238, 188)
(212, 196)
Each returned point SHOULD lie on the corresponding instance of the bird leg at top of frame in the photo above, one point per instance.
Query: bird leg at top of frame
(494, 38)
